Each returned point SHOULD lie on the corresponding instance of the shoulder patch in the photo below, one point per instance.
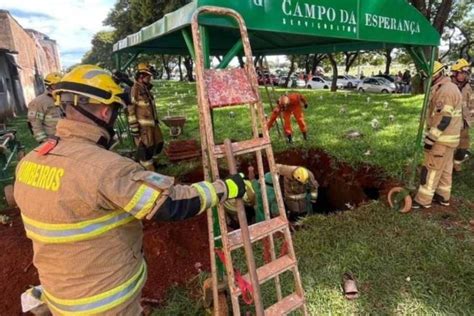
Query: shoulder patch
(48, 146)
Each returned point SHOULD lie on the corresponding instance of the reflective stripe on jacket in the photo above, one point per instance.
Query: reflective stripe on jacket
(43, 116)
(445, 113)
(81, 206)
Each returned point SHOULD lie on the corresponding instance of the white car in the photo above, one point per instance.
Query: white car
(318, 83)
(376, 85)
(294, 82)
(347, 81)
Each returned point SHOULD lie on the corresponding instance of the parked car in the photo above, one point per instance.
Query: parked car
(318, 83)
(268, 79)
(347, 81)
(387, 77)
(376, 85)
(294, 82)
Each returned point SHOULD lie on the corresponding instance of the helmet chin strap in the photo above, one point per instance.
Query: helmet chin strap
(109, 127)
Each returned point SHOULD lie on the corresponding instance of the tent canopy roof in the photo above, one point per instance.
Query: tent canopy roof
(292, 26)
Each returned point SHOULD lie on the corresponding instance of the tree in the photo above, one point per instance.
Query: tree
(388, 58)
(459, 32)
(350, 58)
(332, 59)
(101, 51)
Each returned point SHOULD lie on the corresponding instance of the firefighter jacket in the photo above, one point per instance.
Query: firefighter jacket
(81, 206)
(43, 116)
(468, 104)
(298, 196)
(445, 114)
(142, 109)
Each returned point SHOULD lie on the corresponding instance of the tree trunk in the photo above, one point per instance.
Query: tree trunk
(334, 72)
(166, 66)
(350, 59)
(388, 58)
(307, 64)
(292, 70)
(188, 64)
(317, 59)
(180, 59)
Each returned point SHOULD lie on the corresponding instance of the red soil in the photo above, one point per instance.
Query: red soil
(176, 252)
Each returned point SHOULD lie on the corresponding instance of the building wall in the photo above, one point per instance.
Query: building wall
(35, 53)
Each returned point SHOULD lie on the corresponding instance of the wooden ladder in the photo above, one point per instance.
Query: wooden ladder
(228, 87)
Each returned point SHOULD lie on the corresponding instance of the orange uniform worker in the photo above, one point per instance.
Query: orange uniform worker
(290, 104)
(82, 205)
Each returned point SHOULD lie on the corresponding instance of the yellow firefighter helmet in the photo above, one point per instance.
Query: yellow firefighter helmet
(91, 82)
(438, 67)
(52, 78)
(144, 68)
(301, 175)
(461, 65)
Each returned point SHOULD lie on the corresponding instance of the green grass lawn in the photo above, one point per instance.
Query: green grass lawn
(413, 264)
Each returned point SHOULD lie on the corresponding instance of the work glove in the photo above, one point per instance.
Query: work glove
(235, 186)
(429, 143)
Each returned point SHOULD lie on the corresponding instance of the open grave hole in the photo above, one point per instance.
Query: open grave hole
(342, 187)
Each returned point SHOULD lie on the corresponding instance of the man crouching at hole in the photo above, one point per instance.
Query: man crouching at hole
(82, 205)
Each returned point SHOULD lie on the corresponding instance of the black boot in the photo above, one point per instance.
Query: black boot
(305, 136)
(290, 139)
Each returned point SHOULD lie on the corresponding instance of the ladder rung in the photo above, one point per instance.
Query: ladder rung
(271, 270)
(257, 232)
(285, 306)
(243, 147)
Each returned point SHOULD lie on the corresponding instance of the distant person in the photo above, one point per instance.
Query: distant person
(444, 128)
(461, 72)
(143, 120)
(406, 79)
(43, 114)
(290, 105)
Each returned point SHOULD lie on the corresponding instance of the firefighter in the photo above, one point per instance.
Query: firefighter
(443, 133)
(461, 72)
(300, 192)
(290, 104)
(43, 115)
(143, 120)
(82, 205)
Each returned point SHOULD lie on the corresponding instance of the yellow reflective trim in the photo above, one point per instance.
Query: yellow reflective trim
(435, 132)
(449, 138)
(145, 206)
(149, 205)
(146, 122)
(141, 271)
(69, 226)
(213, 193)
(143, 103)
(132, 119)
(425, 191)
(202, 197)
(82, 237)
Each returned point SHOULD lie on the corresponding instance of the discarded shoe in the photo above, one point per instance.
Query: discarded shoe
(349, 286)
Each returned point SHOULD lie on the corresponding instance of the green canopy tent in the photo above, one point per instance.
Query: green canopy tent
(292, 27)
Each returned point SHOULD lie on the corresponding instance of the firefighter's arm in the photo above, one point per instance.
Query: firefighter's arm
(36, 116)
(314, 185)
(132, 116)
(447, 111)
(286, 171)
(147, 194)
